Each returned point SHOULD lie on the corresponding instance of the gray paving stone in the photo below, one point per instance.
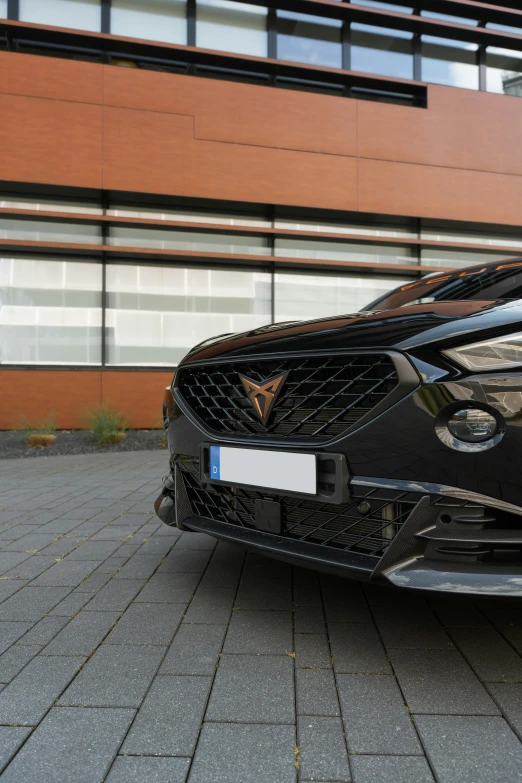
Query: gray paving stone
(226, 574)
(260, 633)
(14, 659)
(82, 634)
(440, 682)
(307, 588)
(253, 689)
(232, 753)
(116, 595)
(31, 568)
(309, 619)
(312, 651)
(195, 650)
(322, 749)
(94, 550)
(111, 565)
(374, 716)
(408, 628)
(28, 697)
(185, 561)
(316, 693)
(139, 567)
(61, 748)
(93, 582)
(169, 720)
(159, 546)
(471, 749)
(42, 633)
(489, 655)
(356, 648)
(509, 698)
(190, 540)
(461, 614)
(71, 605)
(391, 769)
(9, 560)
(66, 573)
(115, 676)
(262, 594)
(32, 542)
(211, 606)
(11, 737)
(132, 769)
(62, 547)
(346, 607)
(169, 588)
(152, 624)
(10, 586)
(10, 632)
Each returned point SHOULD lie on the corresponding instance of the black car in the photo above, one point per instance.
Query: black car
(383, 445)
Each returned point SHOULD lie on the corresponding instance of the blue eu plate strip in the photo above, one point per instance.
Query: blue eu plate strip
(214, 463)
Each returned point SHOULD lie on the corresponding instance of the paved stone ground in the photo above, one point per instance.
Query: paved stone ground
(132, 653)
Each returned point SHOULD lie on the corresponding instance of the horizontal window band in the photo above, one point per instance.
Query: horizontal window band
(331, 237)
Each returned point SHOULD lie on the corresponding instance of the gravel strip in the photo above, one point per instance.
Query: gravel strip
(13, 444)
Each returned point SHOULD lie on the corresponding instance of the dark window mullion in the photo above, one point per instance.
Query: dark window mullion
(105, 16)
(417, 57)
(105, 241)
(13, 9)
(271, 28)
(191, 22)
(481, 56)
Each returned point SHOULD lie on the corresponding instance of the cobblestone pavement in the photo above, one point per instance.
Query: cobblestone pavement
(133, 653)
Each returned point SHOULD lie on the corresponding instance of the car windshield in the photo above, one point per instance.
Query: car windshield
(498, 280)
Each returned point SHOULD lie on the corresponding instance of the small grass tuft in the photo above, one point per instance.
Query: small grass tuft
(39, 434)
(106, 424)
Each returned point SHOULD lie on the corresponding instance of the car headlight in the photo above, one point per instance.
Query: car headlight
(498, 354)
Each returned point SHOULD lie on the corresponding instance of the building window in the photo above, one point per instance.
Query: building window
(381, 51)
(10, 201)
(3, 9)
(78, 14)
(48, 231)
(154, 20)
(232, 27)
(489, 235)
(503, 71)
(305, 296)
(449, 18)
(50, 311)
(184, 240)
(343, 251)
(186, 216)
(449, 62)
(400, 9)
(315, 40)
(456, 258)
(156, 314)
(377, 229)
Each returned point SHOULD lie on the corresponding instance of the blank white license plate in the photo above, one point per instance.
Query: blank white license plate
(258, 468)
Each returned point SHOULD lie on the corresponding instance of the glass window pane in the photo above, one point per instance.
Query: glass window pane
(503, 71)
(504, 28)
(382, 51)
(231, 27)
(160, 213)
(156, 314)
(449, 18)
(456, 258)
(184, 240)
(48, 205)
(401, 9)
(453, 63)
(50, 311)
(3, 9)
(309, 39)
(155, 20)
(40, 231)
(306, 296)
(79, 14)
(334, 227)
(441, 233)
(344, 251)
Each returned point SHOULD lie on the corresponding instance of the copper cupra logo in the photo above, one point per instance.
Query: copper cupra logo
(263, 395)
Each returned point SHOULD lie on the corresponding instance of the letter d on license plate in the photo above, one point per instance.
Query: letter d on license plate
(282, 470)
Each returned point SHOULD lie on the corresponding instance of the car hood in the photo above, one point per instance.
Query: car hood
(403, 328)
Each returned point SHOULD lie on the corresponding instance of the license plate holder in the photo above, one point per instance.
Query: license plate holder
(329, 483)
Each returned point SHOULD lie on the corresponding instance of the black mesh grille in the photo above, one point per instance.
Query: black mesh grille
(353, 526)
(322, 396)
